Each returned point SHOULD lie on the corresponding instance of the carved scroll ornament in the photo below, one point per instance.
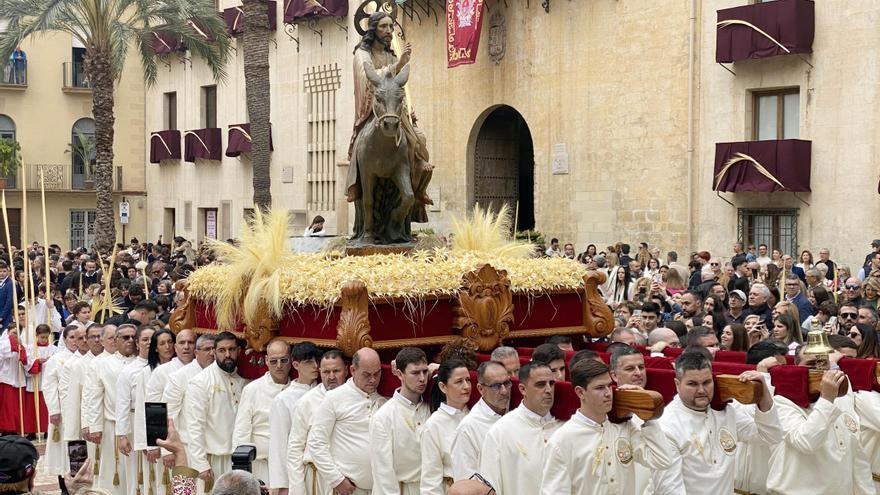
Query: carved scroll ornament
(262, 331)
(353, 330)
(184, 316)
(484, 310)
(598, 318)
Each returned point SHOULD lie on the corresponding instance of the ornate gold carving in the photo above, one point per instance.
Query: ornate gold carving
(263, 331)
(598, 318)
(353, 330)
(484, 310)
(184, 316)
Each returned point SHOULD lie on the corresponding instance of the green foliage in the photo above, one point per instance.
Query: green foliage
(10, 157)
(83, 148)
(533, 236)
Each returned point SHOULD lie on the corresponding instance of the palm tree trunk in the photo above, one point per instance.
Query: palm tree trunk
(99, 71)
(257, 88)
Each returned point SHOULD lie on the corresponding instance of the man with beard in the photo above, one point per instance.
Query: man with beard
(704, 441)
(55, 460)
(527, 429)
(212, 399)
(396, 428)
(253, 417)
(340, 434)
(303, 477)
(99, 399)
(126, 405)
(305, 357)
(79, 373)
(494, 384)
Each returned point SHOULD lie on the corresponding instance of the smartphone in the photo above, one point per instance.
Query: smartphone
(637, 313)
(156, 419)
(78, 453)
(833, 321)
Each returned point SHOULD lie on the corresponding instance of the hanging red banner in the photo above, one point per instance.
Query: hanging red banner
(464, 20)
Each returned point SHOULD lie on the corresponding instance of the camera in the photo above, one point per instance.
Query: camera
(243, 457)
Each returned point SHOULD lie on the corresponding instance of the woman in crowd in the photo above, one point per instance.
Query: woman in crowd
(806, 260)
(755, 329)
(449, 399)
(675, 281)
(734, 338)
(865, 336)
(788, 331)
(653, 269)
(81, 314)
(785, 307)
(621, 288)
(871, 291)
(640, 290)
(816, 296)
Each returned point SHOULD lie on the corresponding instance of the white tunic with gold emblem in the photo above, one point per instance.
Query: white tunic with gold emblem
(394, 437)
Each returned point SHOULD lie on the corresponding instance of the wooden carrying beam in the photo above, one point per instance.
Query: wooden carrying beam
(730, 388)
(646, 404)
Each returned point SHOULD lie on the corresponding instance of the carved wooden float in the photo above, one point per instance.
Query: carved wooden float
(484, 310)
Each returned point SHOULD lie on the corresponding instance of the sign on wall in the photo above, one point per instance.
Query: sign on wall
(211, 224)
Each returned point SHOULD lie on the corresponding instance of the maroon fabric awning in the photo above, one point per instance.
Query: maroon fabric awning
(201, 30)
(234, 18)
(788, 161)
(165, 43)
(164, 145)
(203, 143)
(239, 140)
(790, 22)
(303, 9)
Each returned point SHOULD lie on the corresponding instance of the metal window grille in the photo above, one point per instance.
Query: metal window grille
(775, 228)
(82, 229)
(320, 84)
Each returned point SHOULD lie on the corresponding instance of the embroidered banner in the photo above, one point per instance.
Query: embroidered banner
(464, 20)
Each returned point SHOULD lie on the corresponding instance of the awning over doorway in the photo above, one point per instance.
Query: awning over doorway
(766, 29)
(164, 145)
(234, 18)
(239, 140)
(295, 10)
(762, 166)
(203, 143)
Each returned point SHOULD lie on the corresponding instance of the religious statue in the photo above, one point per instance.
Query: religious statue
(389, 171)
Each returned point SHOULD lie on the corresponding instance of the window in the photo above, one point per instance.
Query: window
(7, 131)
(775, 228)
(777, 114)
(320, 83)
(82, 229)
(82, 154)
(169, 111)
(209, 107)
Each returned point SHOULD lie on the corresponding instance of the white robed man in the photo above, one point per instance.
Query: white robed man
(304, 359)
(449, 400)
(79, 373)
(99, 398)
(126, 410)
(340, 434)
(253, 416)
(212, 399)
(589, 455)
(184, 345)
(302, 474)
(705, 440)
(494, 385)
(868, 406)
(821, 451)
(55, 462)
(515, 447)
(395, 429)
(175, 390)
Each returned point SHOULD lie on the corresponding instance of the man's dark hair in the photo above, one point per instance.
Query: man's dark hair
(698, 332)
(226, 336)
(828, 307)
(621, 351)
(582, 355)
(554, 241)
(526, 370)
(586, 371)
(871, 311)
(67, 265)
(66, 332)
(305, 351)
(612, 347)
(545, 353)
(650, 307)
(691, 360)
(738, 260)
(333, 354)
(558, 339)
(842, 341)
(149, 306)
(678, 327)
(3, 265)
(697, 296)
(485, 365)
(367, 40)
(672, 256)
(408, 356)
(624, 248)
(135, 290)
(764, 349)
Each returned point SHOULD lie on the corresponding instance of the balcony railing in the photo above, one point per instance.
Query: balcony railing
(75, 76)
(59, 177)
(13, 74)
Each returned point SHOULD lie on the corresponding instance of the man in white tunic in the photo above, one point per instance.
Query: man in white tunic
(99, 398)
(494, 385)
(821, 451)
(55, 461)
(704, 440)
(395, 429)
(340, 433)
(212, 399)
(126, 401)
(590, 455)
(252, 419)
(305, 356)
(302, 474)
(79, 372)
(515, 447)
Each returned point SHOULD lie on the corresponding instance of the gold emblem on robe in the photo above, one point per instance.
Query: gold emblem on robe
(850, 423)
(728, 442)
(624, 451)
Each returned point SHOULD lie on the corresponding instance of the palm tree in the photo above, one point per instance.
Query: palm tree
(255, 44)
(108, 29)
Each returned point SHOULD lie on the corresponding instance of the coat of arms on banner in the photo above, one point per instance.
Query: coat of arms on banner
(464, 20)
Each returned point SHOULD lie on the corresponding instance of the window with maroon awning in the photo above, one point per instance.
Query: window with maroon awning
(762, 166)
(234, 18)
(763, 30)
(295, 10)
(165, 43)
(203, 143)
(164, 145)
(239, 140)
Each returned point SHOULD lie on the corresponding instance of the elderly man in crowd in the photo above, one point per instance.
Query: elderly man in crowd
(759, 294)
(508, 357)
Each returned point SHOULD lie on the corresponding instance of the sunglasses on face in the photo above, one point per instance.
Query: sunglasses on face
(849, 315)
(496, 387)
(853, 287)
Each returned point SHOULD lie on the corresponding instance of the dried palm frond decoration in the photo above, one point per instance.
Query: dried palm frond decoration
(488, 233)
(103, 305)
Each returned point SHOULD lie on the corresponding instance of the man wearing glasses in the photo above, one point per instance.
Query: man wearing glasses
(494, 384)
(99, 400)
(304, 358)
(848, 316)
(795, 295)
(252, 419)
(516, 445)
(852, 291)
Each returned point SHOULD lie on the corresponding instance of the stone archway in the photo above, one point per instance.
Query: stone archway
(503, 164)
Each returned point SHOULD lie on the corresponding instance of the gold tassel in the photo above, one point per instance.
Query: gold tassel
(56, 435)
(140, 475)
(152, 479)
(97, 460)
(166, 480)
(116, 472)
(209, 485)
(116, 478)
